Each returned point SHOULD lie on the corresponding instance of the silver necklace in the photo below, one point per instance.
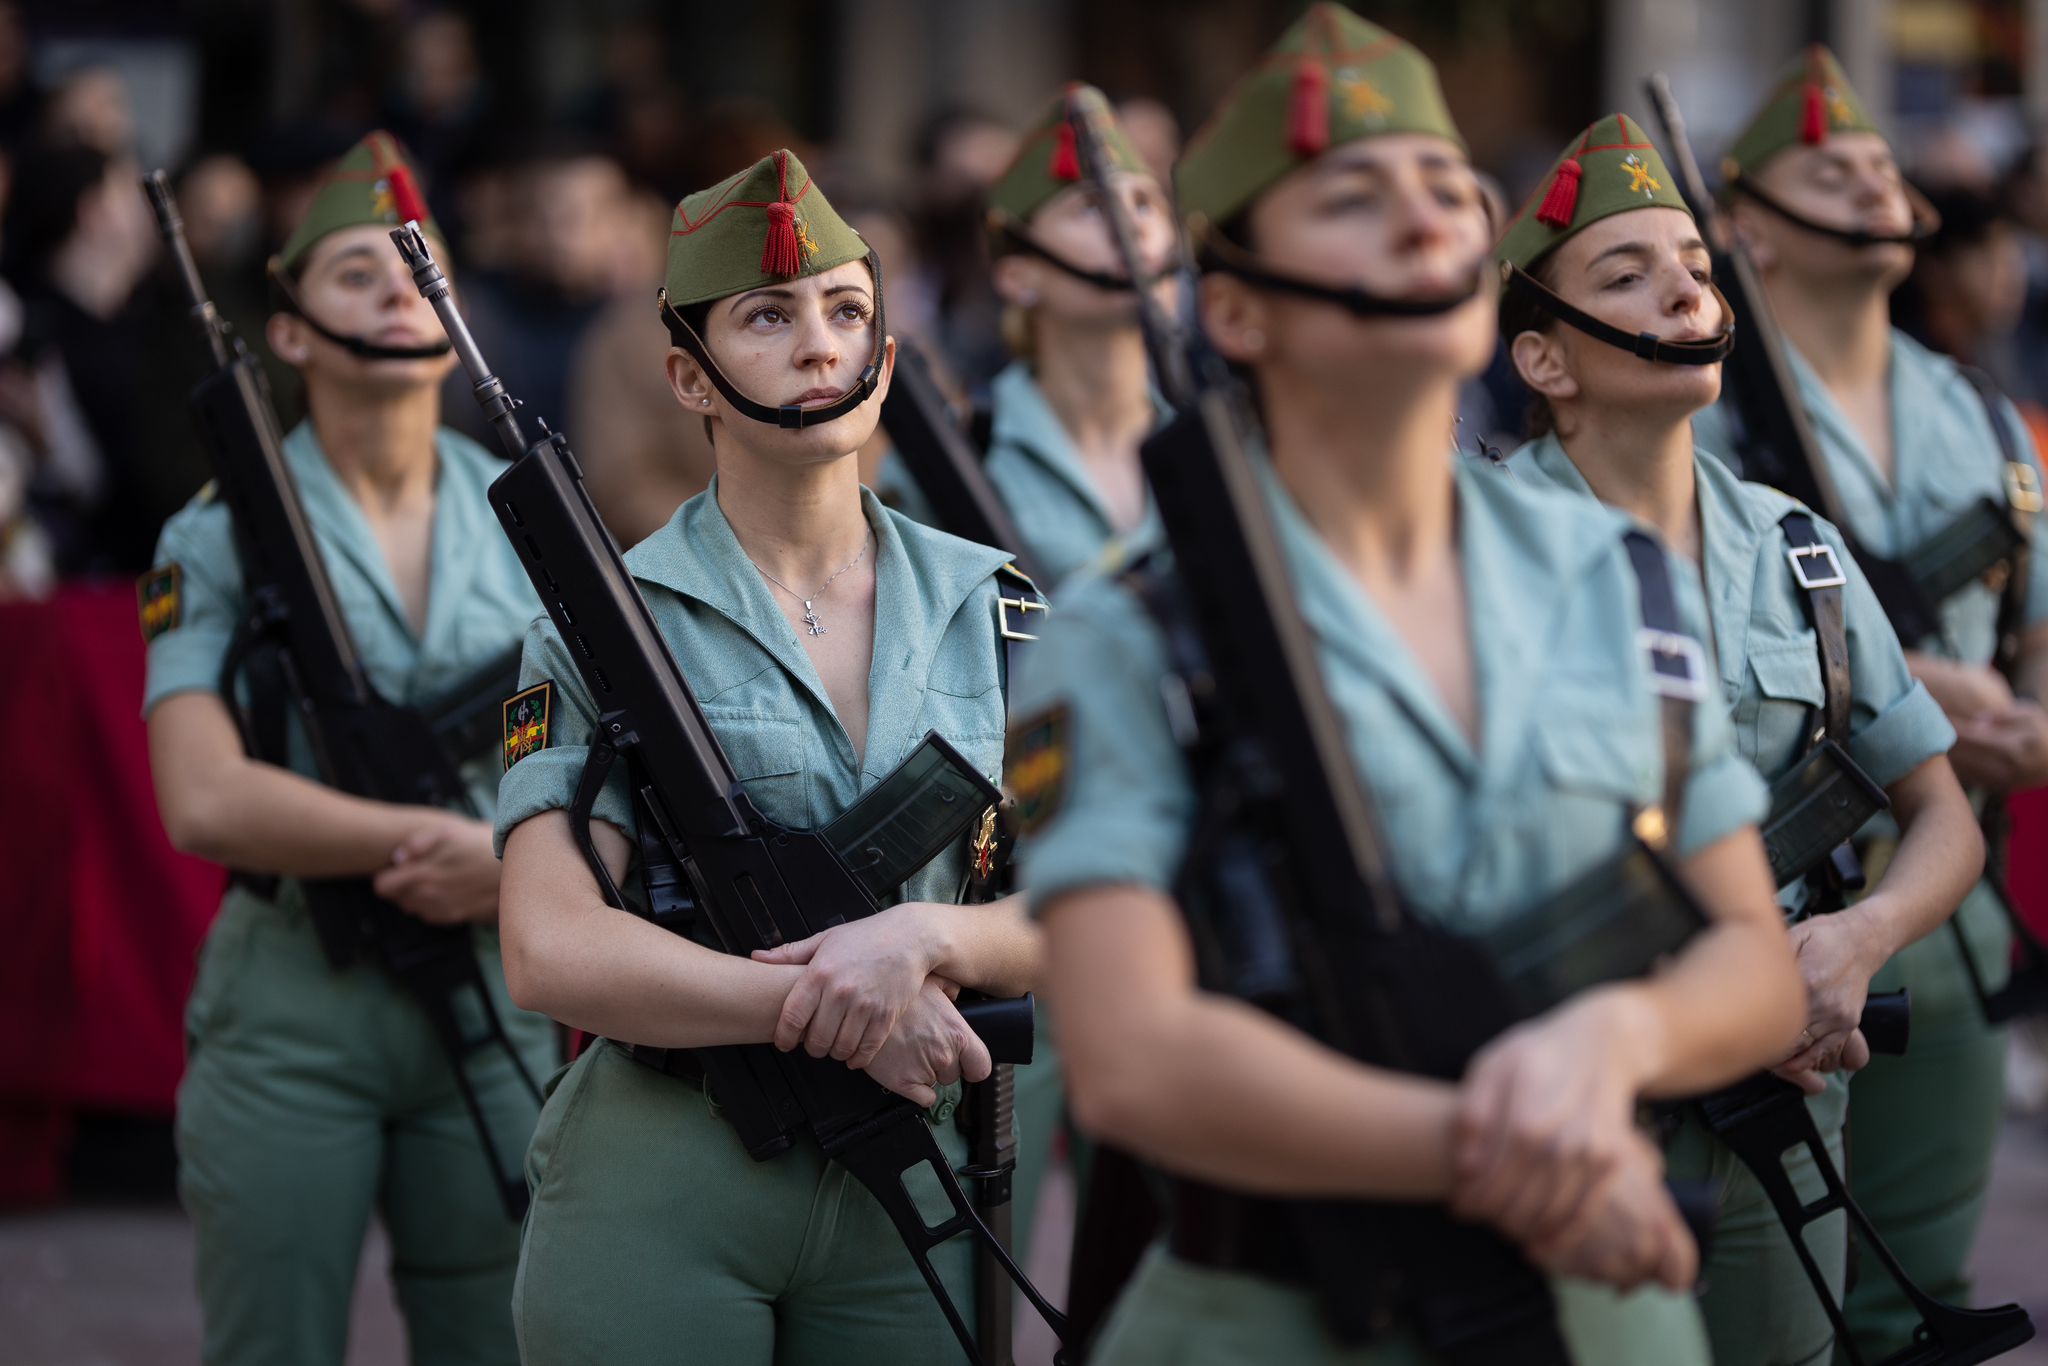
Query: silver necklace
(811, 622)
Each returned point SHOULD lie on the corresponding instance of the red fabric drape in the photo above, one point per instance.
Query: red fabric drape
(100, 918)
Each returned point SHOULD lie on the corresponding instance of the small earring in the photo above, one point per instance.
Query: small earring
(704, 403)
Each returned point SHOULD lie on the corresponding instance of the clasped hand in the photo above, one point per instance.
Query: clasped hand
(1546, 1149)
(445, 872)
(870, 997)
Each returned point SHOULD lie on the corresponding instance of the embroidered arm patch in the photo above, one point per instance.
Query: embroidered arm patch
(160, 600)
(1036, 767)
(526, 721)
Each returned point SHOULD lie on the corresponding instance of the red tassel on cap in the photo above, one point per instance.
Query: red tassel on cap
(779, 254)
(1308, 110)
(1813, 110)
(1813, 118)
(1066, 157)
(1563, 199)
(406, 196)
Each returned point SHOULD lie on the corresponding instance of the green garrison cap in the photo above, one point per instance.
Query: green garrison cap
(1810, 99)
(768, 223)
(1046, 161)
(1608, 169)
(1331, 78)
(374, 184)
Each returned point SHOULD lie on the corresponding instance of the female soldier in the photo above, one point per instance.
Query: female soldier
(1506, 754)
(1618, 247)
(1067, 415)
(824, 636)
(313, 1096)
(1912, 446)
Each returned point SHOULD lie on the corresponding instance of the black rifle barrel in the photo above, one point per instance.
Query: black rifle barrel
(171, 225)
(1170, 369)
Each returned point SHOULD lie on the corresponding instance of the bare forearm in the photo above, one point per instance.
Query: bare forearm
(221, 805)
(264, 819)
(1731, 1002)
(570, 956)
(993, 948)
(1939, 858)
(1229, 1094)
(1212, 1088)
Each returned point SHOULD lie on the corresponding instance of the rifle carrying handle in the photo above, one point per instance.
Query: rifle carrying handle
(1005, 1026)
(1887, 1020)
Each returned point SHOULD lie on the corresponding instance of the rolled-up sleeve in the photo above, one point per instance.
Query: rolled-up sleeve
(1090, 691)
(546, 780)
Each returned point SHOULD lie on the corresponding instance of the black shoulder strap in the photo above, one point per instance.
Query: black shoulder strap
(1678, 674)
(981, 430)
(1818, 572)
(2023, 500)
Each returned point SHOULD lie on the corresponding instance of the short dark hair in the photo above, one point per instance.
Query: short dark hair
(50, 180)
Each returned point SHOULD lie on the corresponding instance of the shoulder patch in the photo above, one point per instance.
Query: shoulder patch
(1035, 767)
(160, 599)
(526, 721)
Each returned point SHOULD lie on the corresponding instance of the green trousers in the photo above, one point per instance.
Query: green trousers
(1041, 1114)
(312, 1098)
(654, 1238)
(1759, 1306)
(1178, 1314)
(1922, 1128)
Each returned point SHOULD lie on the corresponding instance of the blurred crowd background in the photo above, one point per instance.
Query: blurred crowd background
(555, 139)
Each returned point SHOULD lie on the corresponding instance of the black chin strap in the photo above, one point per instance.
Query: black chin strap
(1017, 239)
(290, 302)
(788, 415)
(1519, 284)
(1226, 257)
(1925, 220)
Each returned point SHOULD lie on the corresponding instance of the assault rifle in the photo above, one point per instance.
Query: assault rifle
(1763, 1118)
(294, 649)
(712, 866)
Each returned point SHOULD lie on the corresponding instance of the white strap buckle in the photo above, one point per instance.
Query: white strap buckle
(1678, 666)
(1811, 579)
(1024, 607)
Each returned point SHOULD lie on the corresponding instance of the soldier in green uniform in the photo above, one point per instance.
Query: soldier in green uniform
(312, 1097)
(1617, 245)
(1911, 446)
(824, 636)
(1479, 642)
(1067, 415)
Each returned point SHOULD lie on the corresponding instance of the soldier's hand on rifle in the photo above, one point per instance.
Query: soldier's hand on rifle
(1626, 1232)
(1547, 1113)
(2004, 750)
(859, 977)
(1837, 958)
(444, 872)
(930, 1046)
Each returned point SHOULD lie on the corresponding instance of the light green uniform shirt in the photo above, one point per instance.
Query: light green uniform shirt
(1036, 467)
(937, 666)
(1767, 653)
(1945, 458)
(479, 600)
(1569, 748)
(1569, 741)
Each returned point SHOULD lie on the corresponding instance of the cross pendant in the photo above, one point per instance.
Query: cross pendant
(811, 622)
